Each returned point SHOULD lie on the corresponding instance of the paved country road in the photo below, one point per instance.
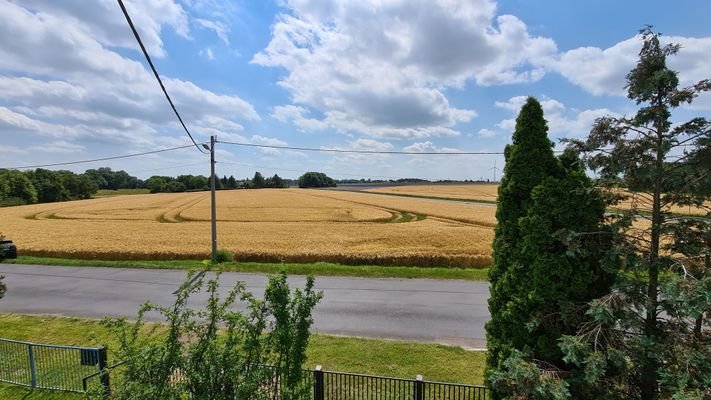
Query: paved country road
(442, 311)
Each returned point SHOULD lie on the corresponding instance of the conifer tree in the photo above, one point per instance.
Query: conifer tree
(544, 270)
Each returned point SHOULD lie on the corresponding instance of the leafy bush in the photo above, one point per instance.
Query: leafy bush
(3, 288)
(223, 256)
(218, 353)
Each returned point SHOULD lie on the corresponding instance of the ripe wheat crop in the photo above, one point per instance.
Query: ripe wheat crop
(293, 225)
(475, 191)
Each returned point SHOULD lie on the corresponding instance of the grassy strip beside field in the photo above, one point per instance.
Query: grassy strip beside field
(317, 269)
(357, 355)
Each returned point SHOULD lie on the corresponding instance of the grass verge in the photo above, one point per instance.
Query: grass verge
(357, 355)
(317, 269)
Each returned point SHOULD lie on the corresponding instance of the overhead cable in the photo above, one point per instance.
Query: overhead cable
(155, 73)
(101, 159)
(328, 150)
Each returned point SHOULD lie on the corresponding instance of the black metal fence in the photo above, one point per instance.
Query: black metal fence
(318, 384)
(329, 385)
(45, 366)
(73, 369)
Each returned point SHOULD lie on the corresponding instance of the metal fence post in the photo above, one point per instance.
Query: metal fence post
(419, 392)
(318, 383)
(33, 370)
(103, 363)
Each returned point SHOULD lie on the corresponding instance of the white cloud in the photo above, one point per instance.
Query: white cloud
(428, 147)
(561, 120)
(59, 78)
(297, 116)
(370, 144)
(486, 132)
(59, 146)
(207, 53)
(603, 71)
(103, 20)
(220, 29)
(381, 68)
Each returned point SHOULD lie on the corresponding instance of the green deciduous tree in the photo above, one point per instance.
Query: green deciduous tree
(544, 268)
(19, 187)
(315, 179)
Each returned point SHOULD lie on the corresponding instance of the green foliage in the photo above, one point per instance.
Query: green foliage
(105, 178)
(218, 353)
(42, 185)
(224, 255)
(17, 185)
(546, 265)
(258, 180)
(520, 378)
(650, 337)
(315, 180)
(3, 287)
(168, 184)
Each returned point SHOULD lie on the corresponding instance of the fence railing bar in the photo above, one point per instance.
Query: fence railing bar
(55, 346)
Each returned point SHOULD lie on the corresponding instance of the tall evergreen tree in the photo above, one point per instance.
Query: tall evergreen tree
(653, 332)
(543, 268)
(529, 160)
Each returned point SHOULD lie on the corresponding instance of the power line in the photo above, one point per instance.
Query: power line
(449, 153)
(101, 159)
(155, 73)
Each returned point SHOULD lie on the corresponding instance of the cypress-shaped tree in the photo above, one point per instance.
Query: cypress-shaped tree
(544, 270)
(529, 160)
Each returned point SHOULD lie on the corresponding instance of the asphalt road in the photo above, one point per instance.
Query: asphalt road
(442, 311)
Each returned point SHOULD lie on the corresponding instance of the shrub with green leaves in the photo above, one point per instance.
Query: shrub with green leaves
(218, 353)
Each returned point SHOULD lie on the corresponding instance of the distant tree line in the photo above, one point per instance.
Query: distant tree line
(47, 186)
(405, 181)
(43, 186)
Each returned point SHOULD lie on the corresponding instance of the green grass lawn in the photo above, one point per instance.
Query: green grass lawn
(358, 355)
(317, 269)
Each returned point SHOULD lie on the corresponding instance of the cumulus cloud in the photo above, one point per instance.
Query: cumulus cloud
(562, 121)
(603, 71)
(486, 132)
(428, 147)
(382, 68)
(102, 19)
(60, 77)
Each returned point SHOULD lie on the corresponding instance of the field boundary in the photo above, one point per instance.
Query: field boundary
(386, 260)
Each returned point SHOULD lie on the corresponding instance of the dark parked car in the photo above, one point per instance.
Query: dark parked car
(7, 249)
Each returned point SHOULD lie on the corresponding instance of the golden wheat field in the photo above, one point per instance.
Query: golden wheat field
(294, 225)
(488, 193)
(473, 191)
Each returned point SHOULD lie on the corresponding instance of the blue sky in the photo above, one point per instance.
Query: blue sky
(411, 75)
